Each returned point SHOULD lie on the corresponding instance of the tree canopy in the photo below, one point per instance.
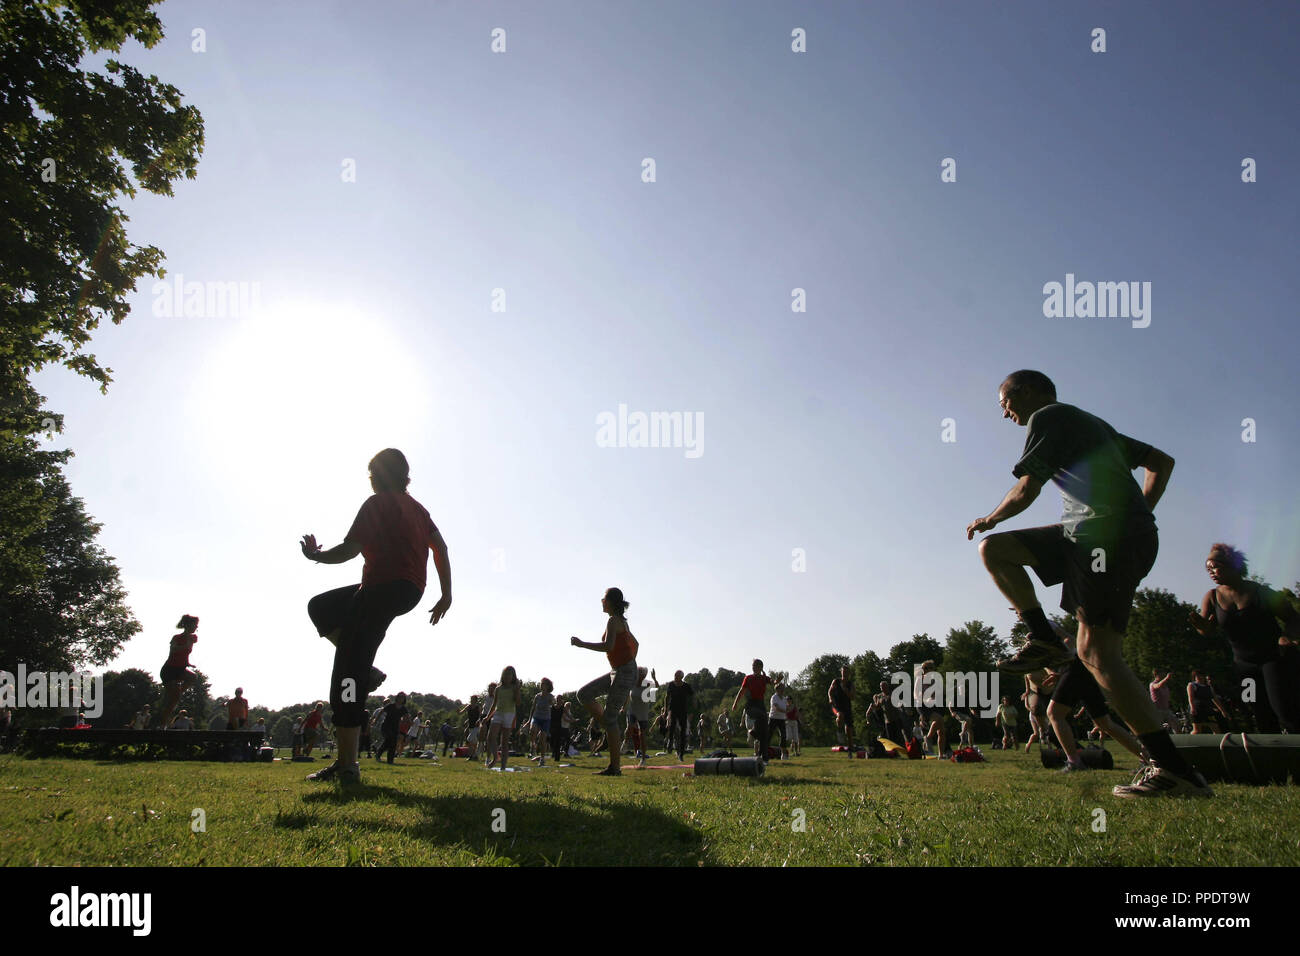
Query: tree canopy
(74, 141)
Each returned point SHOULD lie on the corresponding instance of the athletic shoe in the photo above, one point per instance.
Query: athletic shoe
(1032, 656)
(1074, 767)
(1155, 781)
(325, 774)
(335, 773)
(641, 761)
(377, 677)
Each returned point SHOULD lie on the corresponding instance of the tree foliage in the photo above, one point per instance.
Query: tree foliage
(973, 647)
(73, 141)
(62, 604)
(125, 692)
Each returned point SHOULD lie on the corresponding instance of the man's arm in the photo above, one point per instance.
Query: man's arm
(335, 555)
(1020, 497)
(443, 564)
(1159, 467)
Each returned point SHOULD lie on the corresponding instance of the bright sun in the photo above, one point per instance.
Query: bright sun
(308, 385)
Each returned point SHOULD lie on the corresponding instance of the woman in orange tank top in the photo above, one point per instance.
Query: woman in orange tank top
(620, 649)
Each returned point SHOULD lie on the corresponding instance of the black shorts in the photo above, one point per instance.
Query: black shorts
(1105, 596)
(845, 713)
(1077, 686)
(171, 673)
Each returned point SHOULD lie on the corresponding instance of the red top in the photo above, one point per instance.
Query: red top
(624, 649)
(393, 530)
(237, 708)
(313, 720)
(182, 644)
(756, 684)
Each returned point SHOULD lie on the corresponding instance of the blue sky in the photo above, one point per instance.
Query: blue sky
(225, 437)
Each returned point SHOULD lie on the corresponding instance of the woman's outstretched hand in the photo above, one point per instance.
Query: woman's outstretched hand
(438, 610)
(309, 546)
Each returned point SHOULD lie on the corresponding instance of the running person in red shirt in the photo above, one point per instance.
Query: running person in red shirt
(620, 648)
(395, 534)
(754, 689)
(176, 675)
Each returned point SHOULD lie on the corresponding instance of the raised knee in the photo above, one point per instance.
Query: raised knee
(993, 549)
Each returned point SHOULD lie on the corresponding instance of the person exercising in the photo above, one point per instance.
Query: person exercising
(1247, 614)
(394, 533)
(1103, 548)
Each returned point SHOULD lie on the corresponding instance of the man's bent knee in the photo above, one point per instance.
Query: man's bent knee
(1005, 548)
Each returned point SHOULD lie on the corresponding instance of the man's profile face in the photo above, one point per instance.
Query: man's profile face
(1018, 402)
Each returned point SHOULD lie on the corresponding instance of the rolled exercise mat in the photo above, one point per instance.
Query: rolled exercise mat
(1242, 758)
(735, 766)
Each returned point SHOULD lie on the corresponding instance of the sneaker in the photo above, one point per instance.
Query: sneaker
(1155, 781)
(1032, 656)
(1073, 767)
(377, 677)
(325, 774)
(336, 773)
(641, 760)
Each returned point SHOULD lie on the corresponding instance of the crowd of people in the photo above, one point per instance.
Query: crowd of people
(1105, 545)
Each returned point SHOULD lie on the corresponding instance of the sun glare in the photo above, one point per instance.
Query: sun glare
(306, 385)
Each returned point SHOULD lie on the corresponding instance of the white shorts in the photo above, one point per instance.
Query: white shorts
(792, 731)
(503, 720)
(471, 737)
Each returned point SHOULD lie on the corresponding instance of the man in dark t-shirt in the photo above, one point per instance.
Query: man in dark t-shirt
(679, 703)
(840, 695)
(1104, 546)
(391, 722)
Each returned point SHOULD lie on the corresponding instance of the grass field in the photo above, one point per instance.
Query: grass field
(1008, 811)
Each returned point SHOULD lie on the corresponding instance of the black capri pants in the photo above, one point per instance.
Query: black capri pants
(363, 615)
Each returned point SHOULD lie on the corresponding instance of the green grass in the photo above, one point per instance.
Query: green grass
(1008, 811)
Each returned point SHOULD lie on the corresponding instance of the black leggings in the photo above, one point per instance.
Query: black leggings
(363, 614)
(775, 723)
(677, 732)
(1274, 706)
(560, 741)
(389, 746)
(756, 712)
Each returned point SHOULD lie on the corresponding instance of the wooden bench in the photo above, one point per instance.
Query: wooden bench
(209, 744)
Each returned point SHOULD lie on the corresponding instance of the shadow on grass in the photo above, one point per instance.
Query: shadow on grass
(539, 830)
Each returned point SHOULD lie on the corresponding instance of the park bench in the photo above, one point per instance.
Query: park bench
(170, 744)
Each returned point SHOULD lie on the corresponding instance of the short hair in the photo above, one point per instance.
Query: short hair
(1028, 378)
(1234, 558)
(390, 470)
